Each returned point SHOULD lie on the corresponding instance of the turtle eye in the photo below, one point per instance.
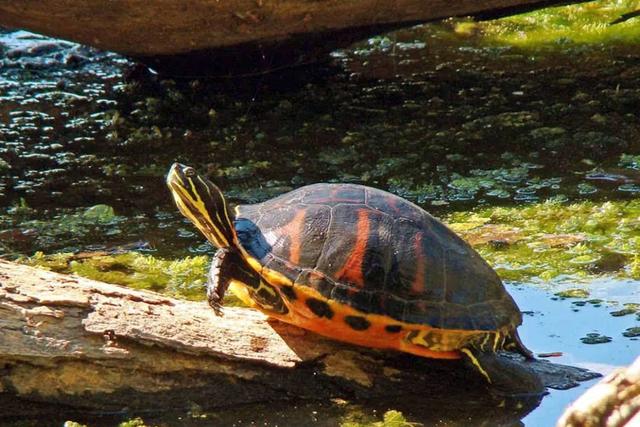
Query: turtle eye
(189, 172)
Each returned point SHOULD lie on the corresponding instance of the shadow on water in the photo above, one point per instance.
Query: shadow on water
(439, 119)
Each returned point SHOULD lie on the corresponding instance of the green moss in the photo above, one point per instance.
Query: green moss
(623, 312)
(573, 293)
(183, 278)
(581, 23)
(557, 239)
(391, 418)
(629, 161)
(632, 332)
(634, 267)
(595, 338)
(180, 278)
(136, 422)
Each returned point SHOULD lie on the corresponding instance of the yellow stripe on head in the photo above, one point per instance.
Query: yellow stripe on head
(202, 203)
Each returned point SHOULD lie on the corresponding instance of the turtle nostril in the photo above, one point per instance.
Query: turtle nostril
(189, 172)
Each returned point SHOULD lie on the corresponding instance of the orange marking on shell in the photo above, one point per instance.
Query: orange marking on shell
(294, 230)
(351, 271)
(417, 286)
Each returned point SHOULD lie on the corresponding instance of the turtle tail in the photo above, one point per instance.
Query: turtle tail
(514, 343)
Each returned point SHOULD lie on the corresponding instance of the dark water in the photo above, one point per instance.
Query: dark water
(442, 120)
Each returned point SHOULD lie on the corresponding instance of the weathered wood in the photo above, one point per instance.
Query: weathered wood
(613, 402)
(198, 35)
(79, 342)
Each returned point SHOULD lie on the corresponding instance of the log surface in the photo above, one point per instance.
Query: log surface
(83, 343)
(141, 28)
(613, 402)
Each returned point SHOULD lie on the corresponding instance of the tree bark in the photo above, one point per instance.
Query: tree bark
(137, 27)
(74, 341)
(613, 402)
(203, 36)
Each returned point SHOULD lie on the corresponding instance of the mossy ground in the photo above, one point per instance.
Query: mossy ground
(184, 278)
(544, 241)
(588, 23)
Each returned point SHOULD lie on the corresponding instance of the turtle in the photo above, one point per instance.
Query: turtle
(360, 265)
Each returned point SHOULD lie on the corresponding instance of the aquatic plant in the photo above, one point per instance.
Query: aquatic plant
(547, 240)
(391, 418)
(183, 278)
(580, 23)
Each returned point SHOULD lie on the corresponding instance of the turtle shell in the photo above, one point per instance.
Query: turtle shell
(377, 253)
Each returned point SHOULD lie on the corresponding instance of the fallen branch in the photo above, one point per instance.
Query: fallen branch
(613, 402)
(199, 37)
(83, 343)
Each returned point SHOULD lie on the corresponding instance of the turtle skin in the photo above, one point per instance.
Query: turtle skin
(378, 253)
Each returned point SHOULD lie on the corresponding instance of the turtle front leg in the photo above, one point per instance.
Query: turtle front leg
(219, 278)
(506, 377)
(227, 266)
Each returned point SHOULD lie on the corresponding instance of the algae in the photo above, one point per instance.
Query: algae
(557, 238)
(595, 338)
(587, 23)
(629, 161)
(632, 332)
(391, 418)
(135, 422)
(183, 278)
(573, 293)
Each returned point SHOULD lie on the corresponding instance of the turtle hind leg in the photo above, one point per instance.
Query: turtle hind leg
(514, 343)
(504, 376)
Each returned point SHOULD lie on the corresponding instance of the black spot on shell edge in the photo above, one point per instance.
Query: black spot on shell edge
(358, 323)
(289, 293)
(319, 308)
(393, 329)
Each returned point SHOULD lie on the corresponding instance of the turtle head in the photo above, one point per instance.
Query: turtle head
(203, 203)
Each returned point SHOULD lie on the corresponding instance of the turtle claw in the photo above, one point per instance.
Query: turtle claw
(214, 297)
(218, 280)
(217, 308)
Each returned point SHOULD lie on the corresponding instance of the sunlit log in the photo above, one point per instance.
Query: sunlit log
(74, 341)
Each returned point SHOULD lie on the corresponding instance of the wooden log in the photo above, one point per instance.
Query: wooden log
(205, 36)
(93, 345)
(613, 402)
